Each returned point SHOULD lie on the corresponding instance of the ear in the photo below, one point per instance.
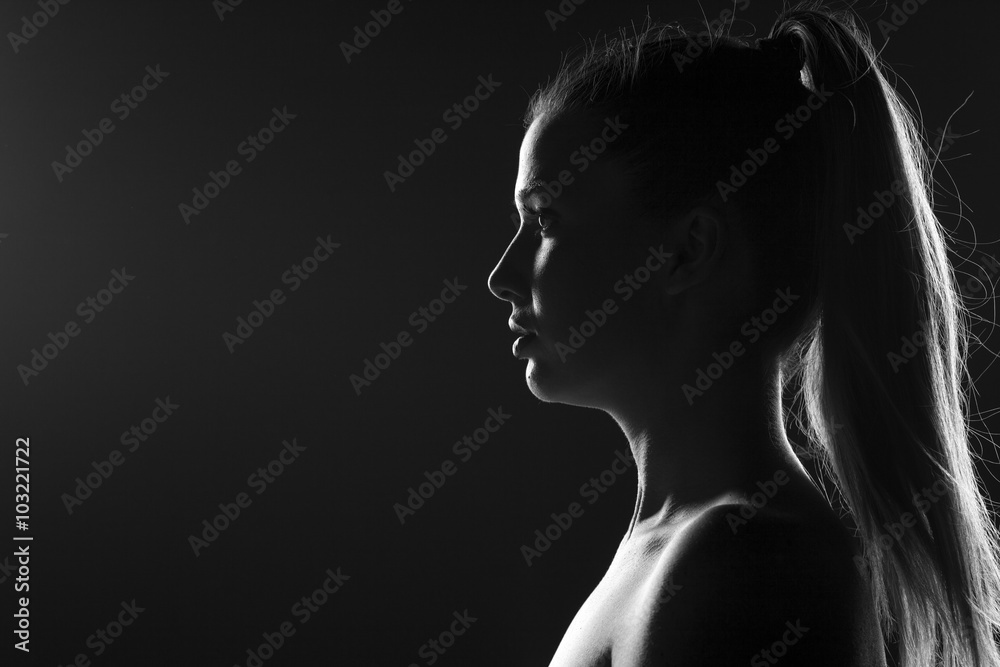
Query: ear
(698, 240)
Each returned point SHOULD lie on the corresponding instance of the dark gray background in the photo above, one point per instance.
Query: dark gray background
(323, 175)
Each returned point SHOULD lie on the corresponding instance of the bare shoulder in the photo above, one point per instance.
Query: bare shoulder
(752, 585)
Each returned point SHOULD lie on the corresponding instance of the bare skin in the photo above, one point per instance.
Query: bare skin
(689, 585)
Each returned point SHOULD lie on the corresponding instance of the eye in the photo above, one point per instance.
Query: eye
(544, 222)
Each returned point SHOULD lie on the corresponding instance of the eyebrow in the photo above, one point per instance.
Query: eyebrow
(527, 191)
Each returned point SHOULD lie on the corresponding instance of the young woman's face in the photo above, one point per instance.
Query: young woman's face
(580, 273)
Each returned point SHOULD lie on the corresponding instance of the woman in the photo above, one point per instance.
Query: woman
(721, 242)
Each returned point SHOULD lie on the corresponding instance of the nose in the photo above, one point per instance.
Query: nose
(507, 281)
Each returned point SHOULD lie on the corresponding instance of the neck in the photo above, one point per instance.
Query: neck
(715, 449)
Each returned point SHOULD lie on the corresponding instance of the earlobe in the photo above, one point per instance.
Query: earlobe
(698, 239)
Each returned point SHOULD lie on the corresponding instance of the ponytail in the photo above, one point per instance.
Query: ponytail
(882, 371)
(873, 362)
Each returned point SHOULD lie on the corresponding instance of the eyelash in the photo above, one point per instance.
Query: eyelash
(538, 216)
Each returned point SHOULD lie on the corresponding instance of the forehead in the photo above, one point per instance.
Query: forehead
(570, 150)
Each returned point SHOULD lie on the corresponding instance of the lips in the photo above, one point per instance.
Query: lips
(523, 341)
(518, 328)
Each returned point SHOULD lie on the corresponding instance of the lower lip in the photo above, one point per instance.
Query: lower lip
(522, 343)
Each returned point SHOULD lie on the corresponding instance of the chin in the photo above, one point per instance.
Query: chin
(553, 381)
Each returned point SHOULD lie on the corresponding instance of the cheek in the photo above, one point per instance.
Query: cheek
(570, 281)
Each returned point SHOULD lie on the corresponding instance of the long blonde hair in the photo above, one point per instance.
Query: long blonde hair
(875, 365)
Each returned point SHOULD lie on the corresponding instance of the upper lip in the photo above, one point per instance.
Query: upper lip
(517, 328)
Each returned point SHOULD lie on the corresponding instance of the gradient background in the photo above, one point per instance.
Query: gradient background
(322, 176)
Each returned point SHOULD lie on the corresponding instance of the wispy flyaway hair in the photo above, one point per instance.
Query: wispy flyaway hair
(891, 431)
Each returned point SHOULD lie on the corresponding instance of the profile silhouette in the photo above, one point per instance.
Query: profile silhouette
(726, 247)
